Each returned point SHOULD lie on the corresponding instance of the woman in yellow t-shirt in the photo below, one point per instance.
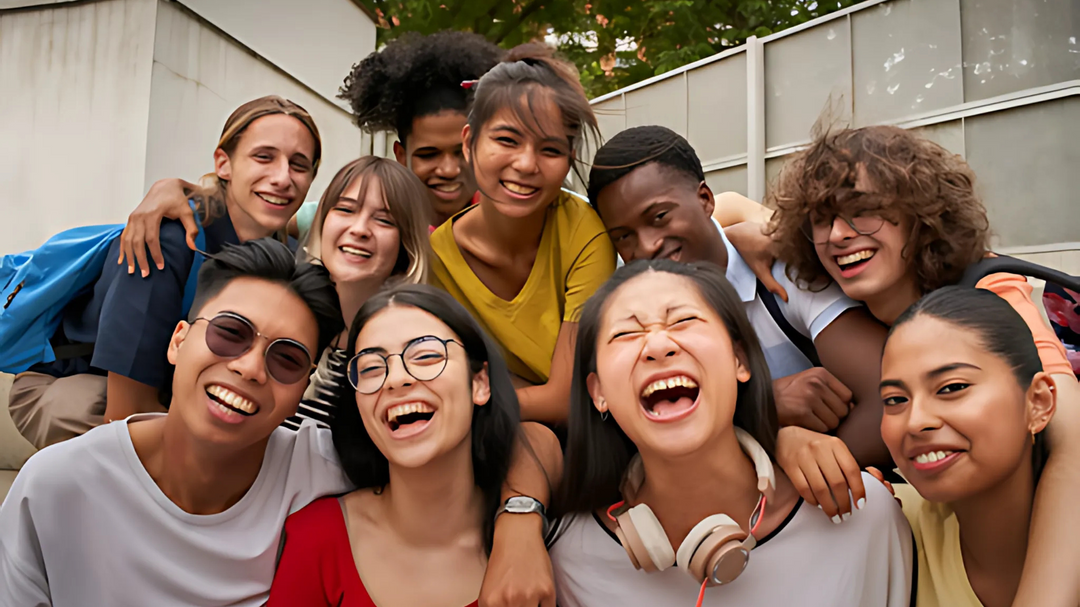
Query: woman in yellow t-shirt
(524, 259)
(966, 399)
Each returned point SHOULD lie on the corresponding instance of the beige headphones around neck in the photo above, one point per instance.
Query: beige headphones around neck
(715, 551)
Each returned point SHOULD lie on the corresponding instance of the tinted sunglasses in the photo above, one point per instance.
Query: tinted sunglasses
(230, 335)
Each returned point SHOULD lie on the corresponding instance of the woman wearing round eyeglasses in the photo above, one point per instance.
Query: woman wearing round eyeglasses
(426, 435)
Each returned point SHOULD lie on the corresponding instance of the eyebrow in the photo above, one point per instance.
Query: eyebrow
(516, 131)
(933, 373)
(382, 350)
(667, 312)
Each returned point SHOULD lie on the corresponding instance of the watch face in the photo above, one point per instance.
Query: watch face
(519, 504)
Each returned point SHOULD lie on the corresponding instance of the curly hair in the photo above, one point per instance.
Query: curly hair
(416, 75)
(886, 170)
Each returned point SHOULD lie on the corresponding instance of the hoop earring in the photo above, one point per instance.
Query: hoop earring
(604, 416)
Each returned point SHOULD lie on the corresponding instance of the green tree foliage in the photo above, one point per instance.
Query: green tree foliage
(614, 43)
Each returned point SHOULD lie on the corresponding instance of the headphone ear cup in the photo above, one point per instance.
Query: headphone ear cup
(644, 539)
(714, 544)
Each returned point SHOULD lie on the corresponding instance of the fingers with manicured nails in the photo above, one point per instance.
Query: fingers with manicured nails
(135, 248)
(798, 480)
(820, 487)
(852, 474)
(153, 242)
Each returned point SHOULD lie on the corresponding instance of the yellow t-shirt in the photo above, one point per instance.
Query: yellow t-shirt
(943, 581)
(575, 257)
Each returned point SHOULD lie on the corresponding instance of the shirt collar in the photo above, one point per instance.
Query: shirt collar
(738, 272)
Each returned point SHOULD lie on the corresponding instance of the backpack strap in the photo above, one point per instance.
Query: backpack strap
(196, 263)
(1003, 263)
(802, 342)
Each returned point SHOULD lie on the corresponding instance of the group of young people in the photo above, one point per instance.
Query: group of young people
(434, 387)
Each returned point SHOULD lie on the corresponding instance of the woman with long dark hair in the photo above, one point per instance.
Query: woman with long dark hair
(672, 433)
(427, 441)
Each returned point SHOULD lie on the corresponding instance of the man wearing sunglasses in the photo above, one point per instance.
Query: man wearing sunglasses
(187, 508)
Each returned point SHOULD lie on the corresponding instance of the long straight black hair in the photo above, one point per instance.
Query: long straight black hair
(1000, 330)
(495, 426)
(598, 451)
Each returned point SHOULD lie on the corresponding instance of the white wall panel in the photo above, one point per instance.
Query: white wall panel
(199, 78)
(75, 79)
(315, 41)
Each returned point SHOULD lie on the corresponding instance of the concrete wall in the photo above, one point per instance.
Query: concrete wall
(101, 98)
(73, 113)
(200, 76)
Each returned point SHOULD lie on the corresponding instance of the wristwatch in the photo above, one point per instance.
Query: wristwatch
(521, 504)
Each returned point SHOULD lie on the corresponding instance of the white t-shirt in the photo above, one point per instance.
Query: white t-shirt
(85, 525)
(808, 561)
(807, 312)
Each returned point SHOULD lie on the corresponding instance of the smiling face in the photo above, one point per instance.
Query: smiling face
(234, 401)
(360, 240)
(956, 421)
(666, 367)
(268, 173)
(656, 212)
(413, 422)
(520, 167)
(868, 265)
(434, 154)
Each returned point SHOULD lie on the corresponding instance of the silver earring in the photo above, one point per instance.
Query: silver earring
(603, 416)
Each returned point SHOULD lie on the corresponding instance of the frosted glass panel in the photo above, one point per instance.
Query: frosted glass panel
(802, 73)
(949, 135)
(717, 108)
(1011, 45)
(906, 59)
(731, 179)
(662, 103)
(1026, 162)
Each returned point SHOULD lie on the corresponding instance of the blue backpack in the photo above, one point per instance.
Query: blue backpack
(37, 286)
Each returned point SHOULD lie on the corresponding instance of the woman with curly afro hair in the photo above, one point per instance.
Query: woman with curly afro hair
(891, 216)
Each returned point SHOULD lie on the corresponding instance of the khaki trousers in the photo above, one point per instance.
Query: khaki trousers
(47, 410)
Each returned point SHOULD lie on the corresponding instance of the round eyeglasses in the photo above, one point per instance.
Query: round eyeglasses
(818, 230)
(424, 358)
(230, 335)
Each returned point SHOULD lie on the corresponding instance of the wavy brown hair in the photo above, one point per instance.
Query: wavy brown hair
(886, 170)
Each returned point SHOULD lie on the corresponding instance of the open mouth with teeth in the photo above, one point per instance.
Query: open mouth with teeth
(446, 188)
(411, 416)
(934, 459)
(670, 397)
(231, 402)
(355, 252)
(853, 261)
(277, 201)
(519, 189)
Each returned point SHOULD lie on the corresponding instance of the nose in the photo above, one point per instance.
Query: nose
(280, 173)
(922, 417)
(250, 366)
(658, 345)
(449, 166)
(396, 375)
(650, 243)
(525, 161)
(361, 226)
(841, 230)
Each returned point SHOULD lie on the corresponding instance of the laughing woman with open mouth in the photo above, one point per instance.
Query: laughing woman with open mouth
(672, 433)
(427, 439)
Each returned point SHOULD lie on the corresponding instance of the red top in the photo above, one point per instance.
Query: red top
(317, 566)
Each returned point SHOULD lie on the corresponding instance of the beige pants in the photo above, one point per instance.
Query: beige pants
(47, 410)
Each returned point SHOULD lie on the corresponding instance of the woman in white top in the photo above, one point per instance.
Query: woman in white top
(672, 429)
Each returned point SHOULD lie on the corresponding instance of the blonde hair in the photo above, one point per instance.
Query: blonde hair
(405, 197)
(210, 198)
